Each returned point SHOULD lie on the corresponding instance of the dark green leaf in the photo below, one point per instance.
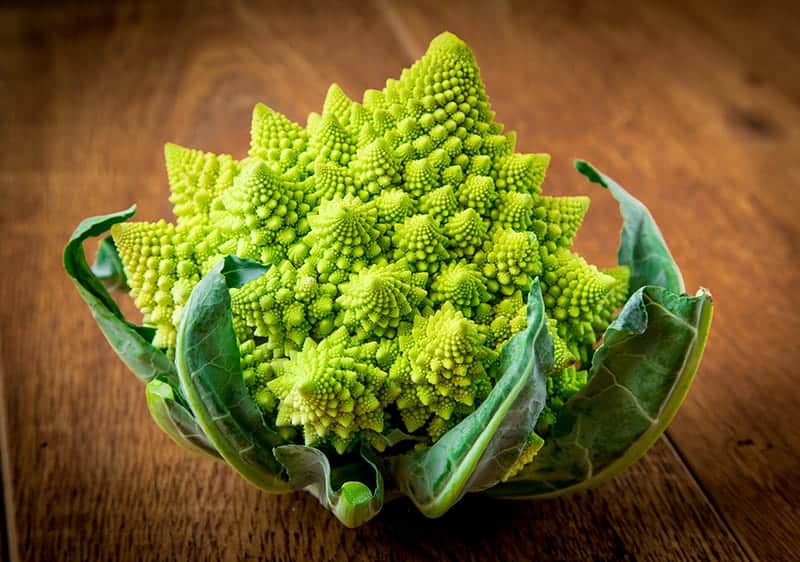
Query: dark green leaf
(107, 266)
(207, 357)
(131, 343)
(641, 247)
(175, 420)
(396, 436)
(479, 451)
(352, 501)
(640, 375)
(238, 271)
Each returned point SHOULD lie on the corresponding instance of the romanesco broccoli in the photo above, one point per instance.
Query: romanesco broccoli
(403, 233)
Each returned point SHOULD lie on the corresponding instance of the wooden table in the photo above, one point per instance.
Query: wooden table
(695, 109)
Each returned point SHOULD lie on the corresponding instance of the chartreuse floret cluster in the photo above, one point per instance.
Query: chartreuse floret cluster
(403, 233)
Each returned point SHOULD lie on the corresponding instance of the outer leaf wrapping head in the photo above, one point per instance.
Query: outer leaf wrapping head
(640, 374)
(207, 357)
(639, 378)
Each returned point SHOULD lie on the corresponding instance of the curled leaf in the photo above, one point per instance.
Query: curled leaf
(640, 376)
(342, 491)
(108, 268)
(479, 452)
(130, 342)
(238, 271)
(175, 420)
(207, 357)
(641, 245)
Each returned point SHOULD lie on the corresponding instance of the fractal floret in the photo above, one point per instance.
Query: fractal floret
(386, 293)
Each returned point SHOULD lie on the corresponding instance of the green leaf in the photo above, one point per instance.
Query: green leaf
(207, 357)
(641, 247)
(639, 377)
(238, 271)
(130, 342)
(394, 437)
(342, 491)
(108, 268)
(479, 451)
(175, 420)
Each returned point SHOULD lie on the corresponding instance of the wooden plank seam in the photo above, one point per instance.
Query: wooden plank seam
(8, 541)
(709, 498)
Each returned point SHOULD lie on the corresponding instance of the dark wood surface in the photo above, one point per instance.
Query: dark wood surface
(694, 108)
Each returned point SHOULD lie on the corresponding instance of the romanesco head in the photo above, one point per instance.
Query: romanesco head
(402, 232)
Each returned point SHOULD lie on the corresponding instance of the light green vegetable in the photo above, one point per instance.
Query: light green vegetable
(383, 302)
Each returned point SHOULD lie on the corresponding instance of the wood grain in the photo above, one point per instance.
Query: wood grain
(684, 106)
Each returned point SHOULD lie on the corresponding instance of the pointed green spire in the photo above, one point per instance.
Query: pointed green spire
(498, 146)
(196, 178)
(408, 128)
(478, 193)
(508, 317)
(378, 298)
(480, 165)
(562, 356)
(394, 205)
(338, 105)
(556, 220)
(514, 211)
(331, 142)
(523, 173)
(441, 368)
(453, 175)
(262, 214)
(332, 180)
(343, 236)
(275, 139)
(262, 307)
(441, 203)
(161, 270)
(376, 167)
(446, 74)
(333, 391)
(420, 241)
(574, 293)
(462, 285)
(615, 298)
(512, 261)
(359, 117)
(374, 100)
(420, 177)
(466, 232)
